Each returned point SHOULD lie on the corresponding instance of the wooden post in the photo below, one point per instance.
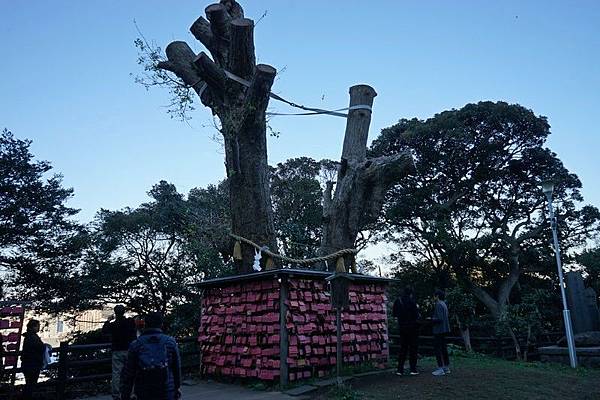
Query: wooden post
(283, 333)
(63, 367)
(197, 342)
(338, 348)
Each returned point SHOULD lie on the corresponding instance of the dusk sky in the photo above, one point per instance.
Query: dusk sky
(66, 81)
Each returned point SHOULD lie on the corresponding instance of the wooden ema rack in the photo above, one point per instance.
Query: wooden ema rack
(280, 325)
(12, 317)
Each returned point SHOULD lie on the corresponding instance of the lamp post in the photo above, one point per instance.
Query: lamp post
(548, 188)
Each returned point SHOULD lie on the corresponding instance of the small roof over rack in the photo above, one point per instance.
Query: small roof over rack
(288, 272)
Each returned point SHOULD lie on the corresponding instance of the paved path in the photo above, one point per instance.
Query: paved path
(220, 391)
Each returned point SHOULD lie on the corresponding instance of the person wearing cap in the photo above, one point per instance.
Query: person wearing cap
(122, 332)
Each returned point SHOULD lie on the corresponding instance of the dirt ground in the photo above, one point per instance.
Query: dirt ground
(477, 378)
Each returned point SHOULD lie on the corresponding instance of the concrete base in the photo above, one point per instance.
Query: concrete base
(586, 356)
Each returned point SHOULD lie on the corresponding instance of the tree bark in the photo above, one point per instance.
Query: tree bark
(516, 343)
(229, 38)
(466, 335)
(361, 183)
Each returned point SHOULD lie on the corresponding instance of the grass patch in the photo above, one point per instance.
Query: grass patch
(344, 392)
(477, 376)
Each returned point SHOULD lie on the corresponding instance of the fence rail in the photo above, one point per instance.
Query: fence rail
(79, 363)
(500, 346)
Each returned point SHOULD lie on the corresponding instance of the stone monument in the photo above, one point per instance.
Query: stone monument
(582, 303)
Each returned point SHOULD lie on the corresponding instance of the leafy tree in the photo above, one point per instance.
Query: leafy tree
(474, 205)
(462, 306)
(206, 231)
(40, 245)
(296, 195)
(145, 257)
(590, 260)
(530, 315)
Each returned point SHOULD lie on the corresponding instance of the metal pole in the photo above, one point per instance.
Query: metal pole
(566, 312)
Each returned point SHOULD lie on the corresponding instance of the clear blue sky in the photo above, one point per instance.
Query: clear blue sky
(65, 80)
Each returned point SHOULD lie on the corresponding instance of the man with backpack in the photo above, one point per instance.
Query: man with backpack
(153, 364)
(407, 313)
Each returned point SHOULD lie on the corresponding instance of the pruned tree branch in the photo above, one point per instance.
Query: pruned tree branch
(202, 32)
(219, 24)
(179, 61)
(211, 73)
(233, 8)
(241, 48)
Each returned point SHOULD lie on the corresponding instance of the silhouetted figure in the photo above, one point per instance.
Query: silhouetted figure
(32, 357)
(441, 327)
(153, 364)
(407, 313)
(122, 332)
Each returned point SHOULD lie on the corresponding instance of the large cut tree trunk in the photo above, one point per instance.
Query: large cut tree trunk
(241, 108)
(361, 183)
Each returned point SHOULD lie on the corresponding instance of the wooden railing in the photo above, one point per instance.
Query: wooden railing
(80, 363)
(494, 345)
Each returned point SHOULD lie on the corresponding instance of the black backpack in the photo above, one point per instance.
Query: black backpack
(153, 367)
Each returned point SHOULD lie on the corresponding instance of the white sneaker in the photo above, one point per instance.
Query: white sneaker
(414, 373)
(438, 372)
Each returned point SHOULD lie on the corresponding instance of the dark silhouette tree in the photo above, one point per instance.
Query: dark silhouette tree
(40, 245)
(475, 205)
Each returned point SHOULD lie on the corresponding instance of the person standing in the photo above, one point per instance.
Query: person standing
(32, 357)
(122, 332)
(153, 364)
(441, 328)
(407, 313)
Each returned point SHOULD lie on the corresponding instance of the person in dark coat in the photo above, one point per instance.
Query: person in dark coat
(407, 313)
(32, 357)
(153, 364)
(441, 328)
(122, 332)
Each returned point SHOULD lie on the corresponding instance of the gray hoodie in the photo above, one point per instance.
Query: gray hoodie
(441, 324)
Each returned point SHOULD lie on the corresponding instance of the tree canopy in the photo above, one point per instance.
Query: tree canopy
(474, 207)
(40, 243)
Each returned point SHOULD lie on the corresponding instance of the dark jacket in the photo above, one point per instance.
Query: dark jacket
(441, 323)
(32, 357)
(122, 332)
(406, 311)
(133, 376)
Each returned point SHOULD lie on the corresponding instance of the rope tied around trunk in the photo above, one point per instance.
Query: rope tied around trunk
(301, 261)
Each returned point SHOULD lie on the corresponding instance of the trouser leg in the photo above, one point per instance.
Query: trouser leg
(118, 362)
(31, 378)
(403, 351)
(437, 347)
(413, 350)
(445, 357)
